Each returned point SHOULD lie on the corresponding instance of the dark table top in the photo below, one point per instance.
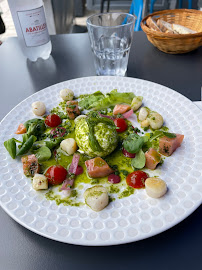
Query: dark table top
(176, 248)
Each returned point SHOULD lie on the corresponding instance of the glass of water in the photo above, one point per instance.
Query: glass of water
(110, 37)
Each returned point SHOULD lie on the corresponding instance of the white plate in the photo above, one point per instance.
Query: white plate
(126, 220)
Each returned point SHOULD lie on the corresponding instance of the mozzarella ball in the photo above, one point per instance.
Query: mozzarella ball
(136, 103)
(143, 113)
(38, 108)
(145, 123)
(96, 198)
(155, 120)
(66, 94)
(79, 118)
(155, 187)
(69, 146)
(39, 182)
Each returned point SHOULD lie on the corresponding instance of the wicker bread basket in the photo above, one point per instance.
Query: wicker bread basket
(176, 43)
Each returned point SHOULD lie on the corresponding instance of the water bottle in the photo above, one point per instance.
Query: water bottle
(30, 23)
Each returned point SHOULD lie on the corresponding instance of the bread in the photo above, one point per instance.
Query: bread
(151, 23)
(168, 28)
(182, 29)
(165, 26)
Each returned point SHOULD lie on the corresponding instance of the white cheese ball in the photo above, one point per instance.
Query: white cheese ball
(155, 120)
(66, 94)
(155, 187)
(69, 146)
(145, 123)
(39, 182)
(136, 103)
(96, 198)
(143, 113)
(38, 108)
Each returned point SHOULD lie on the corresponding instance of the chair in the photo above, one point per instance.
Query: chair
(152, 6)
(102, 5)
(136, 9)
(180, 4)
(189, 4)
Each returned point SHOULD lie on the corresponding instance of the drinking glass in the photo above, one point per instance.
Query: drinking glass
(110, 38)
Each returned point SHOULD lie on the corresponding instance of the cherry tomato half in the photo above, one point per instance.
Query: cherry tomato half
(127, 154)
(120, 124)
(136, 179)
(56, 174)
(53, 120)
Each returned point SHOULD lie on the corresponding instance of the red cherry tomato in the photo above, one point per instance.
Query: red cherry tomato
(53, 120)
(79, 170)
(127, 154)
(120, 124)
(136, 179)
(56, 174)
(114, 179)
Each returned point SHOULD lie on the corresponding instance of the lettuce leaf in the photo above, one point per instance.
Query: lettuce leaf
(113, 98)
(87, 100)
(98, 101)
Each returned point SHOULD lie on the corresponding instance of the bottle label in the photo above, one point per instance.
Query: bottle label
(33, 26)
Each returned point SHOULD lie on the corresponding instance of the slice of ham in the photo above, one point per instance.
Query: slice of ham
(106, 116)
(128, 114)
(74, 165)
(97, 167)
(69, 182)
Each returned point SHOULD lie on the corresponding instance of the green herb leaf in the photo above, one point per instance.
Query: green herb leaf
(53, 143)
(35, 127)
(92, 139)
(43, 153)
(27, 145)
(169, 135)
(157, 134)
(10, 146)
(124, 172)
(138, 162)
(134, 143)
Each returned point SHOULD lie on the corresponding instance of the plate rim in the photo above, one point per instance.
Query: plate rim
(111, 242)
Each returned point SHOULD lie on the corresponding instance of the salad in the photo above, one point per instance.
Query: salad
(94, 149)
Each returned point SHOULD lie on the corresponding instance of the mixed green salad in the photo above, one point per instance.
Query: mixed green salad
(94, 149)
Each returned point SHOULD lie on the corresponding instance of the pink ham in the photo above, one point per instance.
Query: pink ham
(128, 114)
(74, 165)
(69, 182)
(106, 116)
(97, 167)
(152, 159)
(121, 108)
(168, 145)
